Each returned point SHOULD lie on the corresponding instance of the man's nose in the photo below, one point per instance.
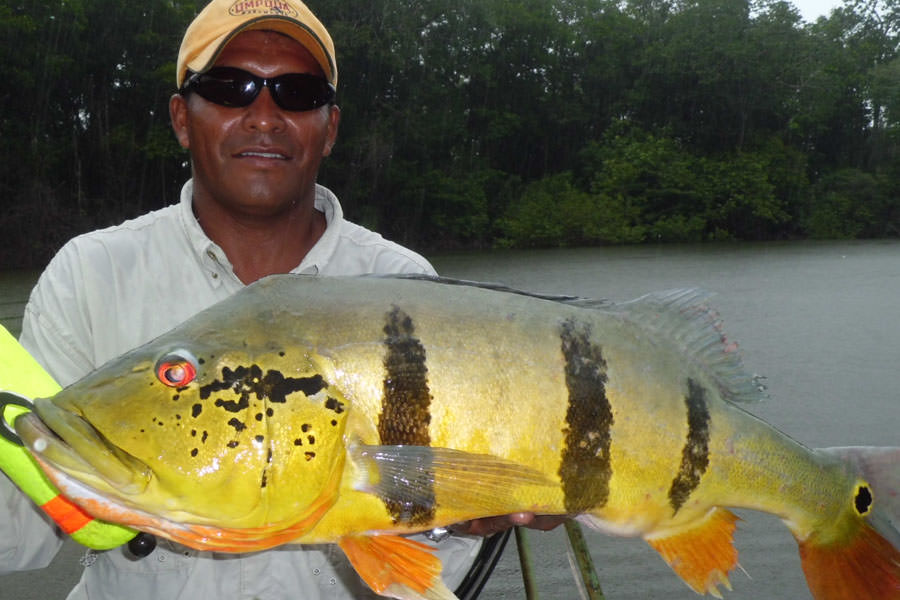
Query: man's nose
(263, 114)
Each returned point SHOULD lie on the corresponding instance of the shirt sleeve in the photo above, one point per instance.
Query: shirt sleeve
(55, 326)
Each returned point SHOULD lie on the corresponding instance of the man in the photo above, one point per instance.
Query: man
(256, 110)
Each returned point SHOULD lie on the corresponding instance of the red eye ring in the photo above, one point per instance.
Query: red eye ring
(176, 369)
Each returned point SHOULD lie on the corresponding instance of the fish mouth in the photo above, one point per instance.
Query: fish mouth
(65, 441)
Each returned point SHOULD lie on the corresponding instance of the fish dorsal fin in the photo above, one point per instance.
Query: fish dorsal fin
(501, 287)
(684, 317)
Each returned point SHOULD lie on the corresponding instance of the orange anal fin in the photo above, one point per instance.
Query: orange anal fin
(397, 567)
(866, 566)
(704, 554)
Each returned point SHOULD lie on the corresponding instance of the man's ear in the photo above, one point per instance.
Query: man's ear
(334, 121)
(178, 114)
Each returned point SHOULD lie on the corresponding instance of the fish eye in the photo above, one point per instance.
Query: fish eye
(176, 369)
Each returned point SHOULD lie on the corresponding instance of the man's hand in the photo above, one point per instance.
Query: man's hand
(491, 525)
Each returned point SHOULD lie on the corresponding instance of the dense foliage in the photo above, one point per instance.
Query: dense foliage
(484, 122)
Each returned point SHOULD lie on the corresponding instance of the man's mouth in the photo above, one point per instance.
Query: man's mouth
(270, 155)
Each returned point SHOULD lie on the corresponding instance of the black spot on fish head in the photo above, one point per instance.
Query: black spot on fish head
(334, 404)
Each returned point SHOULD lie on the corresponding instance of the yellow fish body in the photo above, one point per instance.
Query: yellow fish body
(351, 410)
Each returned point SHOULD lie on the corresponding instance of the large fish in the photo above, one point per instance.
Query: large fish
(353, 410)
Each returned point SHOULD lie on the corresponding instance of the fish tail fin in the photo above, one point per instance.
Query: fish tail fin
(703, 553)
(859, 556)
(864, 566)
(397, 567)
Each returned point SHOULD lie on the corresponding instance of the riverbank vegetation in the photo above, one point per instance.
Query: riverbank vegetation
(490, 122)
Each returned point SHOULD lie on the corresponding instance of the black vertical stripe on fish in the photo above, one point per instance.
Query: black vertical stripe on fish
(695, 455)
(585, 469)
(406, 406)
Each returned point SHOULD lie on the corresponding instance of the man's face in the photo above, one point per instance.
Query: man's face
(258, 160)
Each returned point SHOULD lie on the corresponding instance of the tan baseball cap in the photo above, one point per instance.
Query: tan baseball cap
(221, 20)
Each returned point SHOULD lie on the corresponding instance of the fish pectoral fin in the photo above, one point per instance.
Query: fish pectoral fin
(477, 484)
(703, 553)
(397, 567)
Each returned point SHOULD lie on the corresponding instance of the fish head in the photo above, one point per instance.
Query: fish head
(197, 429)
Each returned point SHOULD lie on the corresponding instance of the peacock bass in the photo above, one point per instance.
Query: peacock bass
(355, 410)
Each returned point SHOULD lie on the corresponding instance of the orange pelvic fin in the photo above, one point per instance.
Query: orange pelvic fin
(397, 567)
(866, 566)
(702, 555)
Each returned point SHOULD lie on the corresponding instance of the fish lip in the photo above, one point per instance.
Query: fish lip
(29, 424)
(38, 437)
(56, 436)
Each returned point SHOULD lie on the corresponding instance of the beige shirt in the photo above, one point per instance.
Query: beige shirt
(108, 291)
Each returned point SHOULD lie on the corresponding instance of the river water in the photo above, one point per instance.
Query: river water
(818, 320)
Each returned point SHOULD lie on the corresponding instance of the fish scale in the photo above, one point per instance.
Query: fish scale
(352, 410)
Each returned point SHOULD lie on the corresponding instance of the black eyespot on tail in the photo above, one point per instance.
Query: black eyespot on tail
(863, 500)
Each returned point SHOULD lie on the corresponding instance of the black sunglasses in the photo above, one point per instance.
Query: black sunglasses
(230, 86)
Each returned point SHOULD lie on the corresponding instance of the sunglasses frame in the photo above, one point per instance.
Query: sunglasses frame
(242, 98)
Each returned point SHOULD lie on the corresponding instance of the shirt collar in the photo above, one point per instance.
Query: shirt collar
(319, 255)
(217, 265)
(212, 258)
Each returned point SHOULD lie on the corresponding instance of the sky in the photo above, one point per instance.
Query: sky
(811, 10)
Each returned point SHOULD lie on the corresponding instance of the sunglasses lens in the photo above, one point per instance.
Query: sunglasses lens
(230, 86)
(227, 86)
(299, 91)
